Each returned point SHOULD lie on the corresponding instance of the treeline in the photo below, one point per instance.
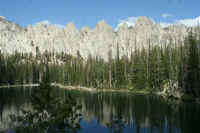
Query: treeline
(148, 68)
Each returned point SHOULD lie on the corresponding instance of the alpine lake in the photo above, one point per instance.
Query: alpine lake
(53, 110)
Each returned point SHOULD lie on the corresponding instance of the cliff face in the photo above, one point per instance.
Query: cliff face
(99, 41)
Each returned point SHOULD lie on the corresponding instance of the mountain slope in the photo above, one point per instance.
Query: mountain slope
(96, 42)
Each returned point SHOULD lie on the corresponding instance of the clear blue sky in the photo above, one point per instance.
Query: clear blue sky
(89, 12)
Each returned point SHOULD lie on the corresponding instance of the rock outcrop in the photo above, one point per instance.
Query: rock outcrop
(99, 41)
(172, 90)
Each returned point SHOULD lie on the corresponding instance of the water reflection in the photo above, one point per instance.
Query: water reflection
(10, 102)
(137, 113)
(103, 112)
(49, 113)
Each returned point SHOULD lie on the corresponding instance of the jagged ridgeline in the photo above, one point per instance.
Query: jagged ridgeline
(96, 42)
(145, 56)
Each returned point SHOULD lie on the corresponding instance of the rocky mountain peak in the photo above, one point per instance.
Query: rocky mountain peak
(42, 24)
(97, 42)
(85, 30)
(143, 21)
(70, 25)
(123, 26)
(4, 21)
(2, 18)
(70, 28)
(8, 26)
(103, 26)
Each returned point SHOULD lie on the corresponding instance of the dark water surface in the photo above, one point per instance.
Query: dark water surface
(113, 112)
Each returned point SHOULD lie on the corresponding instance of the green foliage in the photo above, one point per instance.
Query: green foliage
(147, 68)
(191, 67)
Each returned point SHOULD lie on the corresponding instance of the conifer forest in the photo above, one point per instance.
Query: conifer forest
(148, 69)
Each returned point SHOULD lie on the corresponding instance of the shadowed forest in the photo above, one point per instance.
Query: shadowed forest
(149, 69)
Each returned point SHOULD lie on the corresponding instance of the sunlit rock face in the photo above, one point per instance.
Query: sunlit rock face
(101, 41)
(9, 34)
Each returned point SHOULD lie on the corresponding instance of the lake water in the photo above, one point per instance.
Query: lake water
(113, 112)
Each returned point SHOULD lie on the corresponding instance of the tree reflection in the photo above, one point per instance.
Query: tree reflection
(121, 112)
(116, 124)
(1, 111)
(50, 113)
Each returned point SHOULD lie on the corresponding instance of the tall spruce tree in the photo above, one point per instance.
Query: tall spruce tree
(192, 67)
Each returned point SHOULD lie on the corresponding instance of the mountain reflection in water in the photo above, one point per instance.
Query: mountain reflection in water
(107, 112)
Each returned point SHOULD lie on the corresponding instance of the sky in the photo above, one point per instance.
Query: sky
(90, 12)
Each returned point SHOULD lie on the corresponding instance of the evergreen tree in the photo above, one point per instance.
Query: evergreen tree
(192, 70)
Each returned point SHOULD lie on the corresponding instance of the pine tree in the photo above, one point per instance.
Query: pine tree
(192, 67)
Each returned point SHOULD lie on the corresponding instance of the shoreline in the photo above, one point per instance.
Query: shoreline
(81, 88)
(94, 90)
(90, 89)
(19, 85)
